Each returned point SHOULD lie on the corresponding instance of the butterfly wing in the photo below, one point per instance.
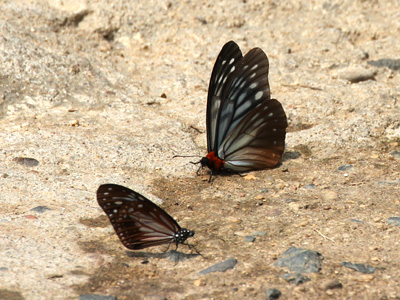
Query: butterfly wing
(229, 56)
(246, 88)
(258, 140)
(138, 222)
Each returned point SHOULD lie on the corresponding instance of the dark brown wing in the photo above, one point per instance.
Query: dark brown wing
(229, 56)
(245, 89)
(258, 140)
(138, 222)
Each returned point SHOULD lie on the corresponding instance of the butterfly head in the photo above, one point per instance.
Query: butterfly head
(181, 236)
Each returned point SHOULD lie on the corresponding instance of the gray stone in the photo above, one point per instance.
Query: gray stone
(296, 278)
(220, 267)
(40, 209)
(249, 238)
(273, 294)
(346, 167)
(394, 221)
(359, 267)
(300, 260)
(395, 154)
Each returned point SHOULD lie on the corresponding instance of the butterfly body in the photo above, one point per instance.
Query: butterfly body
(138, 222)
(213, 162)
(246, 129)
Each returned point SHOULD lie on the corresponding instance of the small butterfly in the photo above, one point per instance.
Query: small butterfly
(138, 222)
(246, 129)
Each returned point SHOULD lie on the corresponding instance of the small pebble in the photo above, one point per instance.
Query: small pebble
(356, 74)
(273, 294)
(40, 209)
(199, 282)
(249, 239)
(330, 284)
(74, 123)
(346, 167)
(26, 161)
(291, 200)
(296, 278)
(365, 278)
(300, 260)
(395, 154)
(220, 267)
(357, 221)
(359, 267)
(329, 195)
(259, 233)
(310, 186)
(96, 297)
(394, 221)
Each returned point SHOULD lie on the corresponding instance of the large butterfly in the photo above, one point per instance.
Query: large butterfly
(246, 129)
(138, 222)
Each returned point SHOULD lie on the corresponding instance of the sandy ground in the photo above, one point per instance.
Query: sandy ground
(108, 91)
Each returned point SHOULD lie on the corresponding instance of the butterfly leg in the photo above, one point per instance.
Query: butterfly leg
(167, 248)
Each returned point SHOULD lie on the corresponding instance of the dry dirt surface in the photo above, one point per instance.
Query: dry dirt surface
(95, 92)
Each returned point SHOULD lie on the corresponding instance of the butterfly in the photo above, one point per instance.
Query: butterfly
(246, 129)
(138, 222)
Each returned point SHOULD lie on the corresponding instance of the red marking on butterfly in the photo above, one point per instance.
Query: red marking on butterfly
(138, 222)
(246, 129)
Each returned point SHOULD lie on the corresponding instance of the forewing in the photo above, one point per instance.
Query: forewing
(246, 88)
(229, 56)
(138, 222)
(258, 140)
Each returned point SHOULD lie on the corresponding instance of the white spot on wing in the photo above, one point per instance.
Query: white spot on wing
(119, 202)
(270, 114)
(232, 69)
(252, 75)
(231, 61)
(140, 205)
(254, 67)
(253, 85)
(259, 95)
(223, 62)
(106, 193)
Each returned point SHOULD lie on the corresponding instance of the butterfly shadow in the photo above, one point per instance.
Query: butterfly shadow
(173, 255)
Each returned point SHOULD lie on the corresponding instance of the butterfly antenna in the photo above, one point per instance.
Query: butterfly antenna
(186, 156)
(198, 170)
